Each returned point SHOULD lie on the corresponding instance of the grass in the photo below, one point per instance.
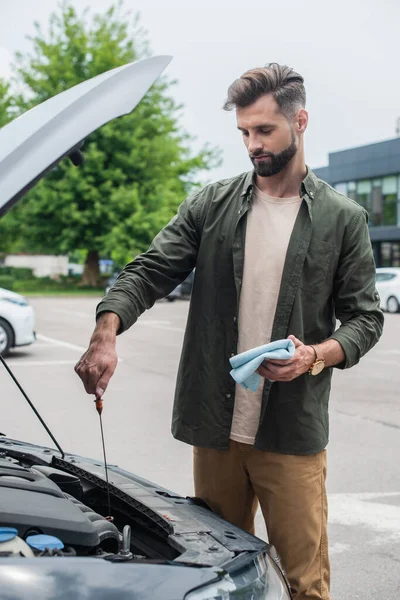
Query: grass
(70, 292)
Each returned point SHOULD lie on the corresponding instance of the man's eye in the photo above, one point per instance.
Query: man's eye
(266, 131)
(245, 133)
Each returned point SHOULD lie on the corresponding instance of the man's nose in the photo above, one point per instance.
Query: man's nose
(254, 146)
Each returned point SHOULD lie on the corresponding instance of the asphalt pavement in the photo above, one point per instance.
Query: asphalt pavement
(363, 454)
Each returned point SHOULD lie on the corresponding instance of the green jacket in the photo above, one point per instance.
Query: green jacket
(329, 273)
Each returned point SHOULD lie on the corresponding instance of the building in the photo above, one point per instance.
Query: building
(371, 176)
(42, 265)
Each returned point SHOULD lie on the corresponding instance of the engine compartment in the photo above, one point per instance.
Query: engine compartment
(42, 500)
(44, 495)
(67, 498)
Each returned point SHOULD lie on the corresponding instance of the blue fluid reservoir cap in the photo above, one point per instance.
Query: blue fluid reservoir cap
(41, 542)
(7, 534)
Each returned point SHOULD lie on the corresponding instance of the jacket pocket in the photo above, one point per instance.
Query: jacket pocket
(317, 268)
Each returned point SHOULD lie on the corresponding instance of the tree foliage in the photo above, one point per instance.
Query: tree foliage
(138, 168)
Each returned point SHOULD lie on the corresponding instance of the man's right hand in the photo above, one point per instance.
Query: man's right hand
(98, 363)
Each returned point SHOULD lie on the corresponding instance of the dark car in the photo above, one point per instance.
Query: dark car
(69, 529)
(187, 285)
(110, 282)
(183, 290)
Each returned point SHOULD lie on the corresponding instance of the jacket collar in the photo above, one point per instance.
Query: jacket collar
(308, 186)
(247, 184)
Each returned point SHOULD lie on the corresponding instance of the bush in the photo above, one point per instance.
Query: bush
(7, 282)
(36, 285)
(18, 273)
(46, 285)
(70, 279)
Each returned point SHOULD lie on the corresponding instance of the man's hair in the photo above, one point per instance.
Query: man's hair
(285, 85)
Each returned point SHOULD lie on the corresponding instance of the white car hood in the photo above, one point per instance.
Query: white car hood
(36, 141)
(12, 295)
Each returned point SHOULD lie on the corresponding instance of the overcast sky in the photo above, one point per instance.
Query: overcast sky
(347, 50)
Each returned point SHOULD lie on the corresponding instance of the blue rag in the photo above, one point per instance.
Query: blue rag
(245, 365)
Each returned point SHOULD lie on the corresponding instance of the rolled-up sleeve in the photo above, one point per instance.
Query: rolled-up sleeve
(355, 296)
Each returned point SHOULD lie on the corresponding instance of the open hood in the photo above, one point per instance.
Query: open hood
(35, 142)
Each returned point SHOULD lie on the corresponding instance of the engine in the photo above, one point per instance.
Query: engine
(42, 505)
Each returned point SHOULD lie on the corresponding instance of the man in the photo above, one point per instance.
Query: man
(278, 253)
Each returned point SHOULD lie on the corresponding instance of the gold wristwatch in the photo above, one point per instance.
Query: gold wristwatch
(318, 364)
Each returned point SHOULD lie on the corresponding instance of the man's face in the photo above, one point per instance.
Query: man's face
(268, 136)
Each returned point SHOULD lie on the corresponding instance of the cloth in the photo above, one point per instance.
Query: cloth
(268, 229)
(329, 273)
(292, 495)
(246, 364)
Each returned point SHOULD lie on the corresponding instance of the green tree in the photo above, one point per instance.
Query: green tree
(138, 168)
(7, 113)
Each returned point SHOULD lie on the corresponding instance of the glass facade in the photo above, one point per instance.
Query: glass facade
(389, 254)
(370, 175)
(379, 196)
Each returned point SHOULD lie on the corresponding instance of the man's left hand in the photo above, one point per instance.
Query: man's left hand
(287, 370)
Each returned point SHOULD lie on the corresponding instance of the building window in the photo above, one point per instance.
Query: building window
(376, 212)
(341, 188)
(390, 254)
(389, 198)
(364, 194)
(379, 196)
(351, 190)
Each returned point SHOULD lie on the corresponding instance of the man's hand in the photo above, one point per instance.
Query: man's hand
(286, 370)
(98, 363)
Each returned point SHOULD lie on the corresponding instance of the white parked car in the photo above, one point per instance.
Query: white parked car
(388, 286)
(17, 321)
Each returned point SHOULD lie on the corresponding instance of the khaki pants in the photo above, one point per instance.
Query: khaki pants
(291, 492)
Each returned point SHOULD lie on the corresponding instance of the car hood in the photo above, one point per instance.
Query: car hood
(203, 548)
(36, 141)
(93, 579)
(8, 294)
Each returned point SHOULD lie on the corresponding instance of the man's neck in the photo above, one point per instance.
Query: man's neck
(285, 184)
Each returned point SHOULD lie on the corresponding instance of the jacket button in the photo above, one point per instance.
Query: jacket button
(232, 354)
(234, 319)
(228, 396)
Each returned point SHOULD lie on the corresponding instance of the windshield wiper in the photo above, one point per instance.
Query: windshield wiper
(31, 405)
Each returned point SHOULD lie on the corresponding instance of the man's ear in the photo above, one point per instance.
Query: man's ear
(301, 120)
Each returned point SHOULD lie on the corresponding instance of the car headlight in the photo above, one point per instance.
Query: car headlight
(257, 579)
(19, 301)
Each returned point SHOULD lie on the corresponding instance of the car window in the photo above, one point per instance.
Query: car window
(385, 276)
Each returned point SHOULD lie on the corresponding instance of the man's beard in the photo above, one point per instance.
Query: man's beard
(276, 162)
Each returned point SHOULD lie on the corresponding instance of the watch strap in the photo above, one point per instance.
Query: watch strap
(318, 360)
(315, 352)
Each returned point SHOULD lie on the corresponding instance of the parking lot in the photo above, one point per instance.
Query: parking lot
(363, 455)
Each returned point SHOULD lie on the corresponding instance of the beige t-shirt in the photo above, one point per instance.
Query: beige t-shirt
(269, 227)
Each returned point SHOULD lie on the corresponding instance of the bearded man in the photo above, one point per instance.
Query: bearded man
(278, 253)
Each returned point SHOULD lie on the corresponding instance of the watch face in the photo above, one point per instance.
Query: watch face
(318, 367)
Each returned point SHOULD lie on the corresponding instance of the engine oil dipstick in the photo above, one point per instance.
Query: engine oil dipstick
(99, 408)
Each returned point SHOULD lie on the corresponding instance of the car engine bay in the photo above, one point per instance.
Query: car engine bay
(44, 506)
(66, 499)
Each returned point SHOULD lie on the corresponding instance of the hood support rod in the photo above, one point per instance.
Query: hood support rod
(31, 405)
